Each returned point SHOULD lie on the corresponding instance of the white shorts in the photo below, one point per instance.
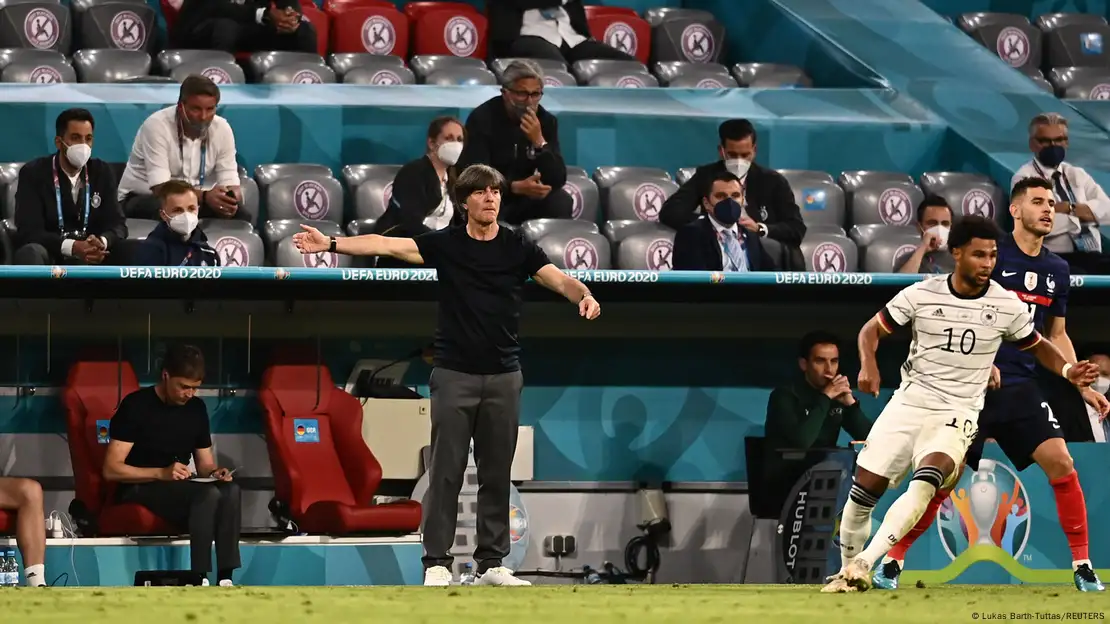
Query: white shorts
(903, 435)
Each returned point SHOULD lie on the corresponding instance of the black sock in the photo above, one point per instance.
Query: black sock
(224, 575)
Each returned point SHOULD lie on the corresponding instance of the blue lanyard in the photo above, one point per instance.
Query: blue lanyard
(58, 198)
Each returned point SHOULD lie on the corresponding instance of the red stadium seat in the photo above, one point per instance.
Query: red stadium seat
(377, 30)
(322, 469)
(169, 14)
(333, 7)
(596, 10)
(93, 391)
(319, 19)
(415, 10)
(451, 32)
(7, 522)
(624, 32)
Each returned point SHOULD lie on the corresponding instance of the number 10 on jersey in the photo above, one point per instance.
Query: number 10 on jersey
(966, 341)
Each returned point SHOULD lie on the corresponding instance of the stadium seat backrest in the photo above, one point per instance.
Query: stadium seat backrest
(1075, 40)
(314, 435)
(267, 174)
(616, 230)
(829, 253)
(41, 25)
(249, 189)
(321, 23)
(880, 197)
(583, 194)
(110, 65)
(383, 77)
(92, 392)
(966, 193)
(9, 180)
(426, 64)
(1043, 84)
(629, 192)
(606, 177)
(276, 230)
(559, 78)
(770, 75)
(881, 247)
(39, 72)
(688, 39)
(235, 242)
(623, 31)
(166, 60)
(1081, 83)
(221, 72)
(309, 196)
(461, 76)
(346, 61)
(570, 248)
(358, 227)
(84, 5)
(684, 174)
(640, 79)
(287, 255)
(373, 188)
(382, 31)
(450, 32)
(498, 66)
(300, 72)
(118, 25)
(658, 15)
(139, 229)
(1009, 35)
(586, 70)
(335, 8)
(646, 250)
(262, 62)
(825, 228)
(536, 229)
(686, 75)
(593, 10)
(817, 195)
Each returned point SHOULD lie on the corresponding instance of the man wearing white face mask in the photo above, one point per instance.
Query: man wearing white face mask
(934, 220)
(176, 241)
(421, 199)
(65, 205)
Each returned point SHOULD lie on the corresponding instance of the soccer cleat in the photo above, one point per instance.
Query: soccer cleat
(226, 583)
(858, 574)
(437, 576)
(837, 585)
(499, 576)
(1086, 580)
(886, 577)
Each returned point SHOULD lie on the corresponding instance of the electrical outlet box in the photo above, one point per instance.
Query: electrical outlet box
(559, 545)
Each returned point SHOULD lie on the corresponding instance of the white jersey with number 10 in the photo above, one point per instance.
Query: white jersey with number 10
(955, 340)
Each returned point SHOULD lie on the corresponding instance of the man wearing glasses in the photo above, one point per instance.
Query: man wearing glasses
(1081, 204)
(515, 135)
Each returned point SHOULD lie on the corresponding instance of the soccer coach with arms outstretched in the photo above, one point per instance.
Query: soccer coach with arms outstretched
(476, 381)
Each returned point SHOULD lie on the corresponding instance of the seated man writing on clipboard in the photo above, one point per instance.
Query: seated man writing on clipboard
(153, 434)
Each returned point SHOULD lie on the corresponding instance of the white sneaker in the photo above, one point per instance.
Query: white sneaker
(437, 576)
(499, 576)
(204, 582)
(226, 583)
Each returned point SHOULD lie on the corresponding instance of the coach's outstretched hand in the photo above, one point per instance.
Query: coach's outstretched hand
(869, 380)
(311, 240)
(1083, 374)
(589, 308)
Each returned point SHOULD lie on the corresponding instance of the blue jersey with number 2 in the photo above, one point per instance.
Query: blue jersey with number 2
(1041, 282)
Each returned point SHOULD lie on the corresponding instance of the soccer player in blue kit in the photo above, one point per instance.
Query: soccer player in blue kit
(1015, 414)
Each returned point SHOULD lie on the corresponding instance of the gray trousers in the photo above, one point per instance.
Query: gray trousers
(485, 408)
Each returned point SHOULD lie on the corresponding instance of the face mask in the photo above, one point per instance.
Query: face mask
(449, 152)
(184, 223)
(942, 236)
(518, 109)
(1051, 156)
(727, 211)
(193, 127)
(78, 154)
(738, 166)
(1102, 385)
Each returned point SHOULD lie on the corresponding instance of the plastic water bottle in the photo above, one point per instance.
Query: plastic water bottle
(11, 569)
(467, 577)
(592, 577)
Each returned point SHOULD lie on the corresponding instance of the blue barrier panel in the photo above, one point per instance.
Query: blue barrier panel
(1029, 8)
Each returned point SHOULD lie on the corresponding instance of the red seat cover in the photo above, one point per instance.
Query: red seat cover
(596, 10)
(609, 28)
(318, 19)
(377, 30)
(334, 7)
(415, 10)
(327, 477)
(451, 32)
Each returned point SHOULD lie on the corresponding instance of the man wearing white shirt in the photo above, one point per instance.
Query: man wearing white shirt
(189, 142)
(243, 26)
(1081, 204)
(545, 29)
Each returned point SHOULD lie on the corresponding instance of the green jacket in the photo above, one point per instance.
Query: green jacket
(802, 417)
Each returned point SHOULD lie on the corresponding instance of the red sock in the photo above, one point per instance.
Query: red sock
(899, 550)
(1072, 509)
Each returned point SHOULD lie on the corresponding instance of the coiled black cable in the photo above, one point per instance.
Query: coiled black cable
(645, 544)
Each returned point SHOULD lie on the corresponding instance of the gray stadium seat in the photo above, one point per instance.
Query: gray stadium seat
(166, 60)
(1074, 40)
(882, 246)
(110, 65)
(269, 173)
(311, 197)
(633, 192)
(817, 195)
(147, 80)
(687, 38)
(299, 72)
(824, 228)
(346, 61)
(559, 78)
(880, 197)
(235, 242)
(644, 247)
(139, 229)
(583, 193)
(353, 175)
(1081, 83)
(359, 227)
(42, 25)
(686, 75)
(658, 15)
(273, 232)
(372, 186)
(1043, 84)
(966, 193)
(498, 66)
(535, 229)
(684, 174)
(379, 76)
(39, 71)
(623, 80)
(586, 70)
(1010, 36)
(9, 180)
(262, 62)
(249, 188)
(425, 64)
(84, 5)
(221, 72)
(830, 253)
(460, 76)
(617, 230)
(116, 25)
(570, 248)
(769, 75)
(287, 255)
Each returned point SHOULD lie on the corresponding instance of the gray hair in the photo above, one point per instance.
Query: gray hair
(1047, 119)
(519, 70)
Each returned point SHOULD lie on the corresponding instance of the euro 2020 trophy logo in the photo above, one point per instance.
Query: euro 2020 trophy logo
(989, 507)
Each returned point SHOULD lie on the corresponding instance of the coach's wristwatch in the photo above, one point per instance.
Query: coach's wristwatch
(331, 247)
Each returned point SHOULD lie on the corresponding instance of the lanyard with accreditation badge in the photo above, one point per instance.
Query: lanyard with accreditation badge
(58, 198)
(181, 151)
(1084, 241)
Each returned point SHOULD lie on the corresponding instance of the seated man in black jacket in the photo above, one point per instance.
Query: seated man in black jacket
(65, 205)
(547, 29)
(243, 26)
(769, 198)
(515, 135)
(176, 241)
(720, 240)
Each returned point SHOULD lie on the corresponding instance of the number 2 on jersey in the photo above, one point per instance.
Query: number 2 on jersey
(967, 341)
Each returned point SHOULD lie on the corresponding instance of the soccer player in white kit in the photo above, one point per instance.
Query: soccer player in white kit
(958, 323)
